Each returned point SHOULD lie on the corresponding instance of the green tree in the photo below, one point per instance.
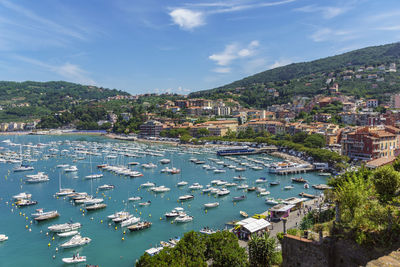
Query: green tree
(224, 250)
(262, 250)
(387, 182)
(203, 132)
(315, 141)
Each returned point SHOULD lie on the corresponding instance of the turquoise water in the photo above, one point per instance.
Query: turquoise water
(107, 248)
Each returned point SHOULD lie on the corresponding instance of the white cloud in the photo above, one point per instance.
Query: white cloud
(280, 63)
(232, 52)
(327, 12)
(389, 28)
(68, 71)
(187, 19)
(326, 34)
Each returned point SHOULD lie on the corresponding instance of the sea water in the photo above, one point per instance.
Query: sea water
(29, 244)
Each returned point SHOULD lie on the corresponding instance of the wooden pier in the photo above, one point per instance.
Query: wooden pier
(302, 194)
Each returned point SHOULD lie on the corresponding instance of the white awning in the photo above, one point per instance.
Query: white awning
(246, 221)
(281, 208)
(257, 225)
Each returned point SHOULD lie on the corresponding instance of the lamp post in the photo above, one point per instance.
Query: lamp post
(284, 224)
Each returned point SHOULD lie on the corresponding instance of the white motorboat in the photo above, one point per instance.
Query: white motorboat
(76, 241)
(271, 200)
(22, 195)
(93, 201)
(195, 186)
(94, 176)
(106, 187)
(175, 212)
(207, 231)
(288, 187)
(182, 183)
(211, 205)
(261, 180)
(165, 161)
(40, 212)
(306, 186)
(65, 192)
(147, 203)
(149, 165)
(148, 184)
(63, 166)
(265, 193)
(23, 168)
(72, 168)
(161, 189)
(74, 260)
(242, 186)
(65, 227)
(68, 234)
(223, 192)
(3, 237)
(186, 197)
(118, 214)
(219, 171)
(183, 218)
(130, 221)
(239, 178)
(134, 198)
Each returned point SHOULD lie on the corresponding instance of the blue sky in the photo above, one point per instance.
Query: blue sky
(180, 46)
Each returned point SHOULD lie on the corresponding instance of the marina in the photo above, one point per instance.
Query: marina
(215, 198)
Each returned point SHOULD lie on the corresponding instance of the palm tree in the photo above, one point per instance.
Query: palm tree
(262, 250)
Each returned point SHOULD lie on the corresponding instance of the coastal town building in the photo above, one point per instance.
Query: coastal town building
(367, 143)
(151, 128)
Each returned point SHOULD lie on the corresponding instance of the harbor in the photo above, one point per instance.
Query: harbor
(208, 188)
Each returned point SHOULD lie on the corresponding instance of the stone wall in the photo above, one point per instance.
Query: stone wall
(301, 252)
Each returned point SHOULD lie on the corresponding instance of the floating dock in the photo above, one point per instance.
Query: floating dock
(302, 194)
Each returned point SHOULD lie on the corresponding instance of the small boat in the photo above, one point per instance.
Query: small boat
(306, 186)
(244, 214)
(264, 193)
(288, 187)
(145, 203)
(3, 237)
(63, 166)
(23, 168)
(96, 206)
(67, 234)
(299, 180)
(76, 241)
(72, 168)
(74, 259)
(211, 205)
(261, 180)
(106, 187)
(49, 216)
(40, 212)
(321, 186)
(207, 231)
(195, 186)
(223, 192)
(118, 214)
(122, 217)
(94, 176)
(165, 161)
(22, 195)
(239, 178)
(183, 218)
(25, 202)
(186, 197)
(130, 221)
(274, 183)
(64, 192)
(271, 200)
(252, 188)
(182, 183)
(239, 198)
(139, 226)
(148, 184)
(324, 174)
(134, 198)
(242, 186)
(160, 189)
(219, 171)
(65, 227)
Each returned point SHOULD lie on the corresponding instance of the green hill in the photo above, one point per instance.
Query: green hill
(31, 100)
(310, 78)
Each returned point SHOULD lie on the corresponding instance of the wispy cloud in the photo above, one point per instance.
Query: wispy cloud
(42, 22)
(327, 12)
(69, 71)
(193, 15)
(280, 63)
(232, 52)
(327, 34)
(389, 28)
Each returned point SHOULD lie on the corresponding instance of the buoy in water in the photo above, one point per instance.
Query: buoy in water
(48, 244)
